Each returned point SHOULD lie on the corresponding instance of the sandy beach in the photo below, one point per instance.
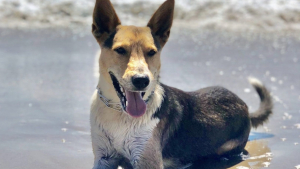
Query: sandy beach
(47, 79)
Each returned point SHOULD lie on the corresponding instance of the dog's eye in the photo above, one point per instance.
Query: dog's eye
(151, 53)
(121, 51)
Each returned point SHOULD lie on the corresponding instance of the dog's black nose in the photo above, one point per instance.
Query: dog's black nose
(140, 82)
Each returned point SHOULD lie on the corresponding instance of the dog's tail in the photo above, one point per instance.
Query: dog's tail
(266, 105)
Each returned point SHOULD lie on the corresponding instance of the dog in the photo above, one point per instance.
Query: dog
(138, 122)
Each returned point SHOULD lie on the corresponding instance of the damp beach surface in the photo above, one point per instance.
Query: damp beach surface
(47, 77)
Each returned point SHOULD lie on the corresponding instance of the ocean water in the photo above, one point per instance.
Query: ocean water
(237, 15)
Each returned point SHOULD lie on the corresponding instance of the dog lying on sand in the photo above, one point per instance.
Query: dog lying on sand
(138, 122)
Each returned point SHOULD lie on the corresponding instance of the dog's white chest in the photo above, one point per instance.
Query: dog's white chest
(120, 133)
(129, 139)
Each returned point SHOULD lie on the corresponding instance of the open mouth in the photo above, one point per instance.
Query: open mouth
(132, 102)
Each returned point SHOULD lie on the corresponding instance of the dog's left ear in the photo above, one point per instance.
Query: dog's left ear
(105, 19)
(161, 21)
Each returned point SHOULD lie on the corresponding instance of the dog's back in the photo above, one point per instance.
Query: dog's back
(209, 122)
(198, 123)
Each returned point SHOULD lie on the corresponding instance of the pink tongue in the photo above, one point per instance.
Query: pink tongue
(136, 106)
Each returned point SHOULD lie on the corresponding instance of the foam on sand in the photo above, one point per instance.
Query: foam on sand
(237, 15)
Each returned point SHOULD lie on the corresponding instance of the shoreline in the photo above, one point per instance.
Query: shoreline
(178, 28)
(230, 15)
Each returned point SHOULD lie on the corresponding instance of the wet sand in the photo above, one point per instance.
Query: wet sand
(47, 79)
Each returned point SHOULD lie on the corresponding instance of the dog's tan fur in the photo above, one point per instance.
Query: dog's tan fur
(137, 42)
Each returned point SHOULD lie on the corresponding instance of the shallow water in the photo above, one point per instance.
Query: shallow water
(47, 79)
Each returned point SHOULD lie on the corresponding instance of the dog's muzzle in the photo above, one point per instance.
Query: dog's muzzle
(131, 102)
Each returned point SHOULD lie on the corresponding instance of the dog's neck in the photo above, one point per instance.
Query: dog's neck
(107, 89)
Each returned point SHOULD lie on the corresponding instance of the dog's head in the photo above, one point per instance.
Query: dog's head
(130, 55)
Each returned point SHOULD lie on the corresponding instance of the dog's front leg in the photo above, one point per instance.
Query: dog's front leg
(101, 163)
(151, 158)
(105, 156)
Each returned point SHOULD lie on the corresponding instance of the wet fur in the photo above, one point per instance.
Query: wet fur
(178, 127)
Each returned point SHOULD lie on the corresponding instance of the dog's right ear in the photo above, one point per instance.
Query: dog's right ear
(105, 20)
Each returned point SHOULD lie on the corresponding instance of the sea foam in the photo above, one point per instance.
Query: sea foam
(237, 15)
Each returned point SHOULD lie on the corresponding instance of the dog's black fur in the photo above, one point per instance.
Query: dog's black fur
(199, 123)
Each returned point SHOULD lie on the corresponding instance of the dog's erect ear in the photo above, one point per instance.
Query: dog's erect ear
(162, 20)
(105, 19)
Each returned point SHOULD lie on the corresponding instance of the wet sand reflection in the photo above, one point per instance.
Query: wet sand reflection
(257, 155)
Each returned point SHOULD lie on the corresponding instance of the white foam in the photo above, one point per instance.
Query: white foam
(267, 15)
